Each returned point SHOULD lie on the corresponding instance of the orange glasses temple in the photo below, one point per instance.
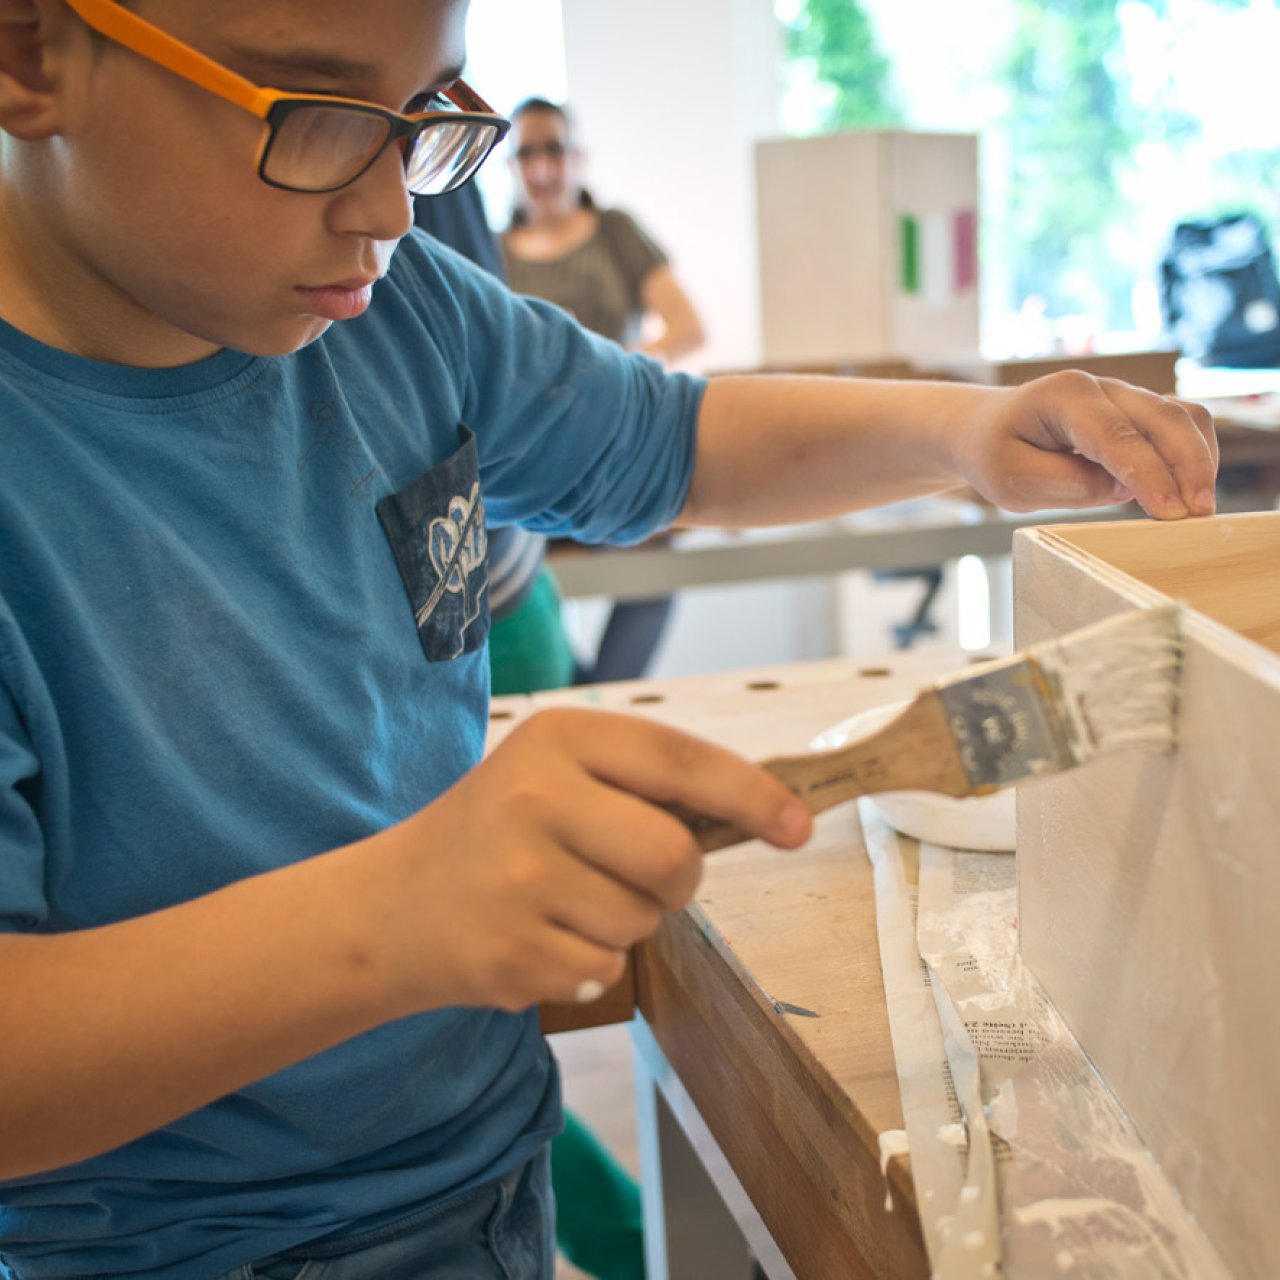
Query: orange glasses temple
(119, 24)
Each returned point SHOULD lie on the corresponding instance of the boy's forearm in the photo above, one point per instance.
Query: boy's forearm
(115, 1031)
(780, 450)
(783, 449)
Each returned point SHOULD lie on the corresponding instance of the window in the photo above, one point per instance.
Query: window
(1103, 123)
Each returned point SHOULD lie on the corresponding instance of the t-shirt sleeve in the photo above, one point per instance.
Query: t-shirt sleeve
(575, 436)
(635, 252)
(22, 898)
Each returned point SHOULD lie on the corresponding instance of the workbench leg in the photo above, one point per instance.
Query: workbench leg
(689, 1232)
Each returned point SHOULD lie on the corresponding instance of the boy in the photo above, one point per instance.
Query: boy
(268, 927)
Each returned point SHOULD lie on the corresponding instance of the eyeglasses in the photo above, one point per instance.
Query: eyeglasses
(313, 142)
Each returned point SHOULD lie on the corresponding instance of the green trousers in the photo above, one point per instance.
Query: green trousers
(528, 648)
(599, 1224)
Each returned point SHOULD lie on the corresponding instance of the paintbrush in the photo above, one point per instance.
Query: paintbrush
(1109, 687)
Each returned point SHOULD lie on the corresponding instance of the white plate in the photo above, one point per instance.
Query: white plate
(978, 822)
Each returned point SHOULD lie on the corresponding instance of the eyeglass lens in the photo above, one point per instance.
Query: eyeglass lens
(317, 148)
(445, 155)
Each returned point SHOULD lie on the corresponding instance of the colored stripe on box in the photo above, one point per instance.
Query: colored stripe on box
(908, 254)
(965, 231)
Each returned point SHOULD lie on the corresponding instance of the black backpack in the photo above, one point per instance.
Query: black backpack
(1219, 294)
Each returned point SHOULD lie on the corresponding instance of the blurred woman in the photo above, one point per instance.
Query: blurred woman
(597, 263)
(602, 267)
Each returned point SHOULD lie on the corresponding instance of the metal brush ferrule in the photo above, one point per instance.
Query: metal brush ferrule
(1004, 722)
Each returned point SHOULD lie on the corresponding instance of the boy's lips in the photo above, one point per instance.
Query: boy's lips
(341, 301)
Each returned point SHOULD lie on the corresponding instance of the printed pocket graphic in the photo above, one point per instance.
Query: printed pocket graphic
(435, 526)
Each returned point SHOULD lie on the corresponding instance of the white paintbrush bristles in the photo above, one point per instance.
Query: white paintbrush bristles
(1118, 681)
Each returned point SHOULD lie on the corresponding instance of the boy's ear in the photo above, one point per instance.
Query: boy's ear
(28, 84)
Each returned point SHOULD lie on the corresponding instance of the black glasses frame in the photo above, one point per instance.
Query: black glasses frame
(398, 126)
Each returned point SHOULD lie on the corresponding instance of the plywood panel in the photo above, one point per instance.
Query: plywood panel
(1149, 885)
(1155, 370)
(1227, 568)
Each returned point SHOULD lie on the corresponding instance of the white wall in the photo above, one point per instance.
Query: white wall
(670, 97)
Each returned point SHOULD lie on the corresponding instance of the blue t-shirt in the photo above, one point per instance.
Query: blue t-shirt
(242, 621)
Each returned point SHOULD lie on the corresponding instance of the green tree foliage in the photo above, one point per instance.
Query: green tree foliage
(1065, 224)
(837, 39)
(1071, 131)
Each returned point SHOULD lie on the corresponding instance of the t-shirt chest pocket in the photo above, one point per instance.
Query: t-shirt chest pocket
(435, 526)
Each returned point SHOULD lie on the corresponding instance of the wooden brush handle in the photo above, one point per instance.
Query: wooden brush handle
(915, 752)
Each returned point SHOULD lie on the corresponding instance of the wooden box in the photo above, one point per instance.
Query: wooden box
(1149, 884)
(1155, 370)
(868, 247)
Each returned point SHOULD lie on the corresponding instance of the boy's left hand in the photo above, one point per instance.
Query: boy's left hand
(1073, 440)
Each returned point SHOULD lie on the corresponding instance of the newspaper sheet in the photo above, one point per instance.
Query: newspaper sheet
(1024, 1163)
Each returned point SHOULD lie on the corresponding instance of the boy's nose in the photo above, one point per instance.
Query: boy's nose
(378, 203)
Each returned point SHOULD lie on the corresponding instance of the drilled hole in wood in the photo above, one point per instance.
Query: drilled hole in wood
(758, 685)
(875, 673)
(647, 697)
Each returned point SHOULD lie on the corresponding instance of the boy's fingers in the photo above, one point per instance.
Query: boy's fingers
(614, 914)
(676, 767)
(608, 884)
(1203, 421)
(570, 969)
(1049, 479)
(1160, 449)
(1172, 434)
(665, 765)
(633, 842)
(585, 969)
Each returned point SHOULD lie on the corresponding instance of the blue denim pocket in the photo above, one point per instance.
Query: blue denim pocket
(522, 1229)
(435, 526)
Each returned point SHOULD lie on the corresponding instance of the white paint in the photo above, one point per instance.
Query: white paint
(893, 1142)
(1117, 681)
(1058, 1212)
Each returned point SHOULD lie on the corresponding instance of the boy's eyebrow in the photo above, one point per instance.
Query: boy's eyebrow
(327, 65)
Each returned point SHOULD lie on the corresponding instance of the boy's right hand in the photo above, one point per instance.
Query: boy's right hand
(535, 873)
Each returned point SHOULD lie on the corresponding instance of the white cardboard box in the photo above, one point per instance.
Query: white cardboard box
(868, 247)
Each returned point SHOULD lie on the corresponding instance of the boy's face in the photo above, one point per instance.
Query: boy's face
(156, 240)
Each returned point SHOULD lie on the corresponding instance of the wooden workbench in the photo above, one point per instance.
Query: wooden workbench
(765, 996)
